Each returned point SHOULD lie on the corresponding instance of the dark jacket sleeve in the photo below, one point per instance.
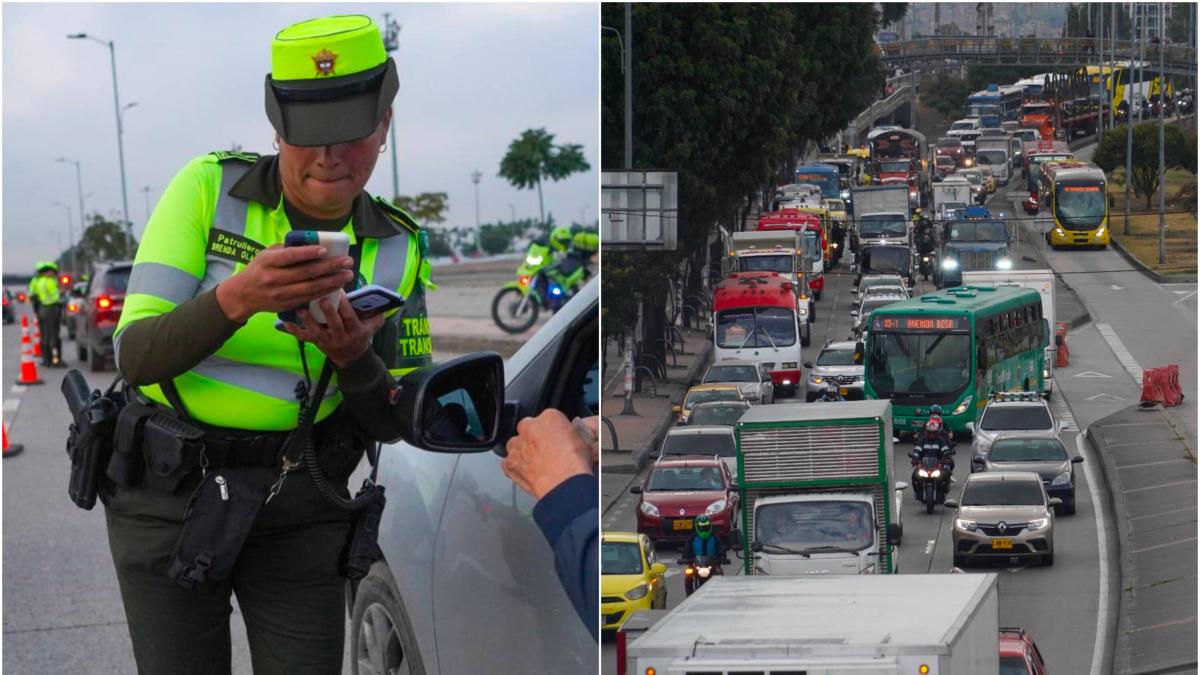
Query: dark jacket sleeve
(569, 516)
(365, 384)
(164, 346)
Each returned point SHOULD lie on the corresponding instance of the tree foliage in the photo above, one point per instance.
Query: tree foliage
(102, 241)
(1179, 152)
(1077, 24)
(427, 207)
(533, 157)
(946, 94)
(893, 12)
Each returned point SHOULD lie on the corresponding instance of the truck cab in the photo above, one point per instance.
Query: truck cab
(974, 241)
(817, 534)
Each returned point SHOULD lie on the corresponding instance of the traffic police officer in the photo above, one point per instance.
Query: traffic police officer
(197, 338)
(43, 290)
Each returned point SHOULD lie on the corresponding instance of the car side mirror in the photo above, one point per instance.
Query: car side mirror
(658, 568)
(808, 364)
(756, 547)
(893, 534)
(676, 408)
(456, 406)
(1077, 459)
(951, 503)
(635, 490)
(854, 313)
(1062, 426)
(979, 462)
(1054, 501)
(860, 348)
(901, 486)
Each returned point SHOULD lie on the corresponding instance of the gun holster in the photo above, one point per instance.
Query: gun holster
(362, 548)
(90, 441)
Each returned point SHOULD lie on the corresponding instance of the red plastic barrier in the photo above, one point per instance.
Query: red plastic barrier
(1060, 338)
(1161, 385)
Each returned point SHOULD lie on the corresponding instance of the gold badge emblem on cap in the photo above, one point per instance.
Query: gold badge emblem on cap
(325, 61)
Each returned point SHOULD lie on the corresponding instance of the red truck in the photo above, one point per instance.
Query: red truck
(897, 157)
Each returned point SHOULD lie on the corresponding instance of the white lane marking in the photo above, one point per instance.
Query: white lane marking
(1118, 348)
(929, 546)
(1107, 398)
(1164, 513)
(19, 389)
(1164, 625)
(1161, 485)
(1091, 373)
(1117, 288)
(1183, 298)
(1062, 411)
(1102, 546)
(1169, 543)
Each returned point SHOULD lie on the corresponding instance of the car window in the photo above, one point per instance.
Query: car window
(619, 557)
(731, 374)
(1013, 665)
(709, 395)
(1015, 418)
(1027, 450)
(116, 280)
(723, 415)
(651, 555)
(685, 478)
(836, 357)
(1002, 493)
(699, 444)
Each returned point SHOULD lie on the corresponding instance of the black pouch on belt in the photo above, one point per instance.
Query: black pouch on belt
(219, 517)
(125, 469)
(172, 449)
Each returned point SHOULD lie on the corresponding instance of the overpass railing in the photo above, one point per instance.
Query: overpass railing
(954, 51)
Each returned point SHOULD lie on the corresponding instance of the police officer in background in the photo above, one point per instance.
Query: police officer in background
(44, 295)
(197, 338)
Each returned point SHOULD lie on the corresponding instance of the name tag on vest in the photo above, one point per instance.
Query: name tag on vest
(229, 246)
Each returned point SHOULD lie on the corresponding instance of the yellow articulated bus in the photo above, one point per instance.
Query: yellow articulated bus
(1076, 195)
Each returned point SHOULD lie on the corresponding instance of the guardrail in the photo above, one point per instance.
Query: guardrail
(955, 51)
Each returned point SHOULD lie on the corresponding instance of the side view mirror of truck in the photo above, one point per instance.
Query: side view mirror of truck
(808, 364)
(901, 486)
(951, 503)
(893, 534)
(756, 547)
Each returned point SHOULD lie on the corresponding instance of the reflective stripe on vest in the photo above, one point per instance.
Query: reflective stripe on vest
(251, 381)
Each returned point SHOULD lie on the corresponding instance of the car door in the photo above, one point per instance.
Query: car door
(658, 582)
(496, 593)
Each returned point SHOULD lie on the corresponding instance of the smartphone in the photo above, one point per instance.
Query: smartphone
(374, 299)
(336, 244)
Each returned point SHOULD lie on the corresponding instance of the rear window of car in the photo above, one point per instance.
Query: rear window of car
(1002, 493)
(115, 280)
(1028, 450)
(725, 415)
(699, 444)
(1015, 418)
(1013, 665)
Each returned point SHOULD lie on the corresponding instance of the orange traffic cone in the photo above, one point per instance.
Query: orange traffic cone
(29, 374)
(10, 450)
(37, 338)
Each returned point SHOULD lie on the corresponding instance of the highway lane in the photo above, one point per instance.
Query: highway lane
(1059, 605)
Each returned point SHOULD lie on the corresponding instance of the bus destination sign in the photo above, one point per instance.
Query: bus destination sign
(921, 324)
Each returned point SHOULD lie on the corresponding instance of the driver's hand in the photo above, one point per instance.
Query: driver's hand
(546, 451)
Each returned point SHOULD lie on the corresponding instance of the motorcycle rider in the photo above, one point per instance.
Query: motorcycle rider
(570, 256)
(832, 395)
(933, 442)
(703, 543)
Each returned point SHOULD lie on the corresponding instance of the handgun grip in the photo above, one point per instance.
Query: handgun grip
(76, 391)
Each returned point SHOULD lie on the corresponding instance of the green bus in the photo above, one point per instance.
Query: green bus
(953, 348)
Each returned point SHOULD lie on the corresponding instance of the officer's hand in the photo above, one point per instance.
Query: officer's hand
(344, 338)
(282, 278)
(545, 452)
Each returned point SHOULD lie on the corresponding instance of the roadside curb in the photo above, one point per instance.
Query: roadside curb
(1084, 317)
(1183, 278)
(1117, 507)
(641, 456)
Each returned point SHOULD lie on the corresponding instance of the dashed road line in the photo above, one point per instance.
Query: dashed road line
(1118, 348)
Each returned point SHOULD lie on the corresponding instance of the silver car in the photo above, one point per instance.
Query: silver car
(835, 365)
(751, 378)
(1041, 453)
(702, 440)
(1010, 411)
(868, 305)
(1003, 515)
(869, 281)
(466, 573)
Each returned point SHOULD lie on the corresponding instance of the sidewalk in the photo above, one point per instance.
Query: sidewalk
(1151, 475)
(459, 335)
(639, 435)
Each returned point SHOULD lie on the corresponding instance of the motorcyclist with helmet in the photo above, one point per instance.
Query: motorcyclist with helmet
(703, 543)
(831, 395)
(569, 249)
(933, 441)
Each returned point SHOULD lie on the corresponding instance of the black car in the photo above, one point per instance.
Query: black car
(99, 311)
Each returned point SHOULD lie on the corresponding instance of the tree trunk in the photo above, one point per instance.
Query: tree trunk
(541, 208)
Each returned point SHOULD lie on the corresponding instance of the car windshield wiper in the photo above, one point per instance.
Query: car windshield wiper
(784, 549)
(829, 548)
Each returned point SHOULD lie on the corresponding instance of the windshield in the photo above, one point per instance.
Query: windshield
(983, 110)
(828, 182)
(756, 327)
(991, 157)
(699, 444)
(685, 478)
(705, 395)
(1027, 450)
(1002, 493)
(883, 225)
(835, 205)
(875, 302)
(620, 558)
(953, 206)
(1080, 206)
(1015, 418)
(983, 230)
(116, 280)
(893, 259)
(766, 263)
(900, 166)
(1027, 135)
(804, 525)
(812, 244)
(973, 177)
(927, 363)
(836, 357)
(962, 126)
(1035, 109)
(731, 374)
(719, 415)
(949, 143)
(1013, 665)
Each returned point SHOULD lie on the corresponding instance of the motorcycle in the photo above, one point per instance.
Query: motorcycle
(542, 283)
(931, 473)
(699, 570)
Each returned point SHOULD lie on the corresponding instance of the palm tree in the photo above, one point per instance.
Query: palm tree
(534, 156)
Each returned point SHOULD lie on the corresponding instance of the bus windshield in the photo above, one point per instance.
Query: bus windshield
(924, 363)
(828, 182)
(766, 263)
(997, 157)
(983, 111)
(883, 225)
(812, 243)
(982, 230)
(1078, 206)
(756, 327)
(886, 260)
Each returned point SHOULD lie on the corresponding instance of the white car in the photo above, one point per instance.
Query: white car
(1010, 411)
(751, 378)
(702, 440)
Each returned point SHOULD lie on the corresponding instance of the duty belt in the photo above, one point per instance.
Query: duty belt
(233, 448)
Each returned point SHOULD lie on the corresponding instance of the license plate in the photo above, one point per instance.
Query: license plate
(843, 391)
(1004, 544)
(687, 525)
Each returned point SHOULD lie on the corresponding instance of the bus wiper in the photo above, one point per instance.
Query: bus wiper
(935, 344)
(768, 336)
(750, 335)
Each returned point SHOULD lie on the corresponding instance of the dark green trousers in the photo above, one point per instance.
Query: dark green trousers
(286, 581)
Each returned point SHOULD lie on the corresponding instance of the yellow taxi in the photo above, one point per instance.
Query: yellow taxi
(989, 178)
(631, 577)
(703, 393)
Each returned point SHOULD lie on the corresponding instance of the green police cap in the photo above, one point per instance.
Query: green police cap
(331, 81)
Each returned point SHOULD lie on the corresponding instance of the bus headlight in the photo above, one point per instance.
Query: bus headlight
(1100, 232)
(949, 264)
(962, 407)
(1004, 264)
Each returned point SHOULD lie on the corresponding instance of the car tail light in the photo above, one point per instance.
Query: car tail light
(104, 302)
(71, 308)
(21, 297)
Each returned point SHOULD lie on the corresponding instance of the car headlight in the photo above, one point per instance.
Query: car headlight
(924, 258)
(1004, 264)
(1059, 231)
(968, 525)
(817, 379)
(949, 264)
(1062, 479)
(1045, 373)
(716, 507)
(845, 194)
(962, 407)
(1038, 524)
(789, 365)
(835, 244)
(638, 592)
(649, 509)
(534, 260)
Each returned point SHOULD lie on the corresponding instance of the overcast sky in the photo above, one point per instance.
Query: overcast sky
(472, 77)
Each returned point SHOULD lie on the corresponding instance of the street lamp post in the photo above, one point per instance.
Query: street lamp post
(1162, 169)
(146, 189)
(391, 42)
(70, 239)
(112, 53)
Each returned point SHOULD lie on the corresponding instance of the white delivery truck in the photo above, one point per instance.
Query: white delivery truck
(947, 624)
(798, 196)
(774, 251)
(1041, 281)
(995, 152)
(951, 190)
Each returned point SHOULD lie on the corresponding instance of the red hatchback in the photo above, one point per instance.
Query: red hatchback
(1018, 654)
(680, 488)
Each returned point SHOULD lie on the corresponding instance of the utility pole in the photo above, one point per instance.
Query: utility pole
(1162, 169)
(1103, 80)
(475, 176)
(1129, 129)
(391, 42)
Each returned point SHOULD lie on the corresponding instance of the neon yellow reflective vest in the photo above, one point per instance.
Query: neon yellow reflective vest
(45, 289)
(200, 235)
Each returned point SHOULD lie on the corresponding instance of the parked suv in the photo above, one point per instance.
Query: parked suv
(835, 365)
(99, 312)
(1010, 411)
(459, 537)
(1003, 515)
